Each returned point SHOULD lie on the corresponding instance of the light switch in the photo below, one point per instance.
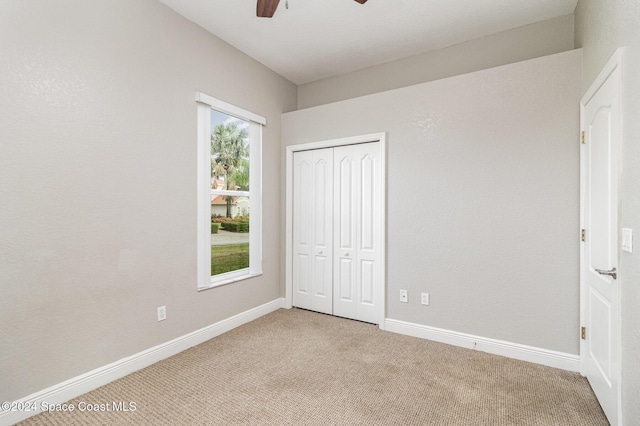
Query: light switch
(627, 240)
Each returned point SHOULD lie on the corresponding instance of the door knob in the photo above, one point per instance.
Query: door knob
(346, 254)
(610, 272)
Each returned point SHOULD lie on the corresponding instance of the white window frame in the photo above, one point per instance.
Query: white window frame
(205, 280)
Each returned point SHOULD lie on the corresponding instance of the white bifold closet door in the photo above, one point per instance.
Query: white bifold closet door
(312, 230)
(336, 231)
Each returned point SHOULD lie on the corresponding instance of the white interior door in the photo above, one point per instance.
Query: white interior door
(313, 230)
(337, 248)
(600, 305)
(357, 239)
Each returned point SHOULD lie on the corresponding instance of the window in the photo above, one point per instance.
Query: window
(229, 193)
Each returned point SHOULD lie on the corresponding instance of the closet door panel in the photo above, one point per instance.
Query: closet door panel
(345, 299)
(357, 215)
(368, 238)
(367, 197)
(345, 291)
(302, 242)
(322, 230)
(337, 237)
(313, 230)
(367, 278)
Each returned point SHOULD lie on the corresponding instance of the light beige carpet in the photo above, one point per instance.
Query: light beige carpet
(295, 367)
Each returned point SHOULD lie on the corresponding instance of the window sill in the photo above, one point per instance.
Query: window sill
(230, 277)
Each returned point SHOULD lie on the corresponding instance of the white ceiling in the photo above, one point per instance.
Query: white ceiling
(315, 39)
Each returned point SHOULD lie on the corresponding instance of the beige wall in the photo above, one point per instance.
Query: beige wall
(98, 129)
(530, 41)
(601, 28)
(482, 196)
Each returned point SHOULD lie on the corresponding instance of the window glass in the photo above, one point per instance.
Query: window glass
(230, 210)
(229, 193)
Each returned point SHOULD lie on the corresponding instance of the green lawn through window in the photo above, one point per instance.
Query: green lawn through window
(229, 258)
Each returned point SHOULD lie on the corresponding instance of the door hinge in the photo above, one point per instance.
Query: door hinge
(583, 235)
(584, 333)
(582, 136)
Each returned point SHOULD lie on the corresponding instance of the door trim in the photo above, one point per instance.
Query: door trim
(353, 140)
(614, 64)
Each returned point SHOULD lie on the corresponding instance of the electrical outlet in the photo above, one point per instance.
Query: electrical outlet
(404, 298)
(424, 298)
(162, 313)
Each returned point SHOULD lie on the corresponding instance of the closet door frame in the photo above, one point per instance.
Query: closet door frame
(374, 137)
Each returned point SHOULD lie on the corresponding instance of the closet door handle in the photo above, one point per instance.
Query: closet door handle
(611, 272)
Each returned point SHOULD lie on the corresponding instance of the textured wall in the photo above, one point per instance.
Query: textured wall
(483, 197)
(531, 41)
(98, 182)
(601, 28)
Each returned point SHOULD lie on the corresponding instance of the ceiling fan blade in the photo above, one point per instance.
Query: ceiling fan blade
(266, 8)
(361, 1)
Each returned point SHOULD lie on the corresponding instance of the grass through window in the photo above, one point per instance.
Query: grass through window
(229, 258)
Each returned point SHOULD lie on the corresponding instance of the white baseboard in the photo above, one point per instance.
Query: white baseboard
(546, 357)
(84, 383)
